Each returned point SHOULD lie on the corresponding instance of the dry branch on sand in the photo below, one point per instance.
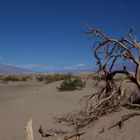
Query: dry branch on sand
(30, 136)
(48, 134)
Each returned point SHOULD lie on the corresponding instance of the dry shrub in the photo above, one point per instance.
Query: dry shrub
(71, 84)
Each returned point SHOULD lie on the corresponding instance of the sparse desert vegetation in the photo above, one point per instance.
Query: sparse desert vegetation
(26, 97)
(71, 84)
(49, 78)
(14, 78)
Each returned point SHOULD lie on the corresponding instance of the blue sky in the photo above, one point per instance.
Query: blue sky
(49, 35)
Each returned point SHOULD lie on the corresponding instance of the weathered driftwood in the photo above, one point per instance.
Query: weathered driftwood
(29, 130)
(45, 134)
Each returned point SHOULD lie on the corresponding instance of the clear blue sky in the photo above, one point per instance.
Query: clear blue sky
(50, 34)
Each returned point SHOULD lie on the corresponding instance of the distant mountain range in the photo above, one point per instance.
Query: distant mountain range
(118, 66)
(129, 66)
(11, 69)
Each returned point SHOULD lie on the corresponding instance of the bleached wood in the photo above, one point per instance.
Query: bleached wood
(29, 130)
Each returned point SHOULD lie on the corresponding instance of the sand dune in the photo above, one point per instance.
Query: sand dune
(20, 101)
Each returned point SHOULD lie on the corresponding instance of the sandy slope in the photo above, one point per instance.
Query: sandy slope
(130, 130)
(20, 101)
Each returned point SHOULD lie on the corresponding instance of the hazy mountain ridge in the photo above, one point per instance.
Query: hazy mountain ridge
(11, 69)
(129, 66)
(118, 66)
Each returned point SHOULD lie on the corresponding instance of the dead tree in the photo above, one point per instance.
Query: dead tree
(108, 51)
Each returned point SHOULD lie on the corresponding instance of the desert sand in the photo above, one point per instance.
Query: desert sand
(20, 101)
